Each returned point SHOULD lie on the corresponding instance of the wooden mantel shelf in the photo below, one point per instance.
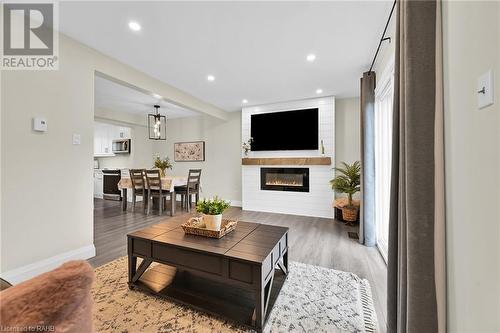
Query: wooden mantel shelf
(286, 161)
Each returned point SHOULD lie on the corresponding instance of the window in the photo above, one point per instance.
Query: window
(383, 151)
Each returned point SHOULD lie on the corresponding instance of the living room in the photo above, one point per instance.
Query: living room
(297, 77)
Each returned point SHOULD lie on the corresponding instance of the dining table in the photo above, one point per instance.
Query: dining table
(168, 183)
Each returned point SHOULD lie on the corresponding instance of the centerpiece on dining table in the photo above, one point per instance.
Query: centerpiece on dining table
(162, 164)
(210, 223)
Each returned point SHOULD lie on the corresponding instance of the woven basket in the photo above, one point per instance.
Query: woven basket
(350, 214)
(195, 226)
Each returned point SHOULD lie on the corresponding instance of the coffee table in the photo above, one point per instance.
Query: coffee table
(236, 277)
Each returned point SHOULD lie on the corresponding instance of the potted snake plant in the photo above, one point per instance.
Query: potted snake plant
(348, 181)
(212, 210)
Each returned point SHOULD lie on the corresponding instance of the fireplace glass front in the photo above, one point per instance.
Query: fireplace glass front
(284, 179)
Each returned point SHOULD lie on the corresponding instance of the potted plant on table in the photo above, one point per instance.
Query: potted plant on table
(162, 164)
(348, 182)
(212, 211)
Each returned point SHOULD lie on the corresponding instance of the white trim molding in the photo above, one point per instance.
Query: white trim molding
(29, 271)
(236, 203)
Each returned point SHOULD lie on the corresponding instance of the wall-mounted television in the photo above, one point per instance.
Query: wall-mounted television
(286, 130)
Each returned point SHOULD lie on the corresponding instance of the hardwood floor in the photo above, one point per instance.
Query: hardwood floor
(315, 241)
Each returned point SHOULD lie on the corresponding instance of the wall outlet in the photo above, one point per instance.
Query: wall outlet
(485, 90)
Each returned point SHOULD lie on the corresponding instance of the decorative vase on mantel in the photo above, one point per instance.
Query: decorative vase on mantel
(247, 146)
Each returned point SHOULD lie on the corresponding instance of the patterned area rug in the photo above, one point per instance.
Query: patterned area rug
(313, 299)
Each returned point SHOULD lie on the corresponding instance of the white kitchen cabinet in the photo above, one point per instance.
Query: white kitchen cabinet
(98, 184)
(122, 132)
(97, 138)
(102, 144)
(107, 137)
(104, 134)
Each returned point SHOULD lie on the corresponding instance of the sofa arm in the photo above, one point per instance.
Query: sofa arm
(56, 301)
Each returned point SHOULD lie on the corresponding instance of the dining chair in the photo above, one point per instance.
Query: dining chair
(153, 181)
(138, 188)
(191, 188)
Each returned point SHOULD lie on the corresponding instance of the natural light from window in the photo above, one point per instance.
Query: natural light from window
(383, 146)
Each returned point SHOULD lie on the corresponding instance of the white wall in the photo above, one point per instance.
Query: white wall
(316, 202)
(347, 133)
(347, 130)
(46, 181)
(221, 171)
(472, 143)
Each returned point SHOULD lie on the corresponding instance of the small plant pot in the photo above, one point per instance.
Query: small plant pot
(213, 222)
(350, 214)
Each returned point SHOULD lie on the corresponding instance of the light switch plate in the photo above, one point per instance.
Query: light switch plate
(76, 139)
(485, 90)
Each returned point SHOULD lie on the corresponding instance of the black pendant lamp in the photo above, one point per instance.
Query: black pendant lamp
(157, 125)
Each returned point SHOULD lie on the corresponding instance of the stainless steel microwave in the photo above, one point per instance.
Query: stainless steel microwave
(121, 146)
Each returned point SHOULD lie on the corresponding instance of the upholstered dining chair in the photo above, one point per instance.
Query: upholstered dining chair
(153, 180)
(138, 188)
(191, 188)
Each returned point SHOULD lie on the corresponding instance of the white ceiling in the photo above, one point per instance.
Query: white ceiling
(113, 96)
(255, 50)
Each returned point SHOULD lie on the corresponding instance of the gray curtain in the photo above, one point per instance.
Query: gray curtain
(367, 232)
(416, 263)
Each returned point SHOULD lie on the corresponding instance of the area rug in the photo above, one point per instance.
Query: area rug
(313, 299)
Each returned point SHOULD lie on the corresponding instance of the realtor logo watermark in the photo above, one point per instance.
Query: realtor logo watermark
(30, 38)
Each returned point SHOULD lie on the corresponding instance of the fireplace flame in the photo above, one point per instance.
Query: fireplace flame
(280, 182)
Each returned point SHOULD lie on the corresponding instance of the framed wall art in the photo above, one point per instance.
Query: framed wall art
(189, 151)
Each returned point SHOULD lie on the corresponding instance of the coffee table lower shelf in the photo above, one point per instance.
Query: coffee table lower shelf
(206, 295)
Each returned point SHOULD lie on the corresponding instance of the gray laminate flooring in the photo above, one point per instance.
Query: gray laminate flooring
(317, 241)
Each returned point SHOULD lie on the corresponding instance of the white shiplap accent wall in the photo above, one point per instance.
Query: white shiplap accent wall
(316, 202)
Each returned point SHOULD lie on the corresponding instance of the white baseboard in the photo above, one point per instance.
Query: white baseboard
(27, 272)
(236, 203)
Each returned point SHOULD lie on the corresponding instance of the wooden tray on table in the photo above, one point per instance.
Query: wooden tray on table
(195, 226)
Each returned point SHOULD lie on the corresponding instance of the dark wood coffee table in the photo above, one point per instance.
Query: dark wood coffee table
(233, 277)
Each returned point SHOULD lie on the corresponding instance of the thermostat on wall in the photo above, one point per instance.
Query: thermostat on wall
(39, 124)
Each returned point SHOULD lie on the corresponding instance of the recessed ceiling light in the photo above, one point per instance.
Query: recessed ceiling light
(157, 96)
(319, 91)
(211, 78)
(311, 57)
(134, 26)
(244, 101)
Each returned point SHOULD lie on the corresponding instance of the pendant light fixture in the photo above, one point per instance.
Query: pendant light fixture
(157, 125)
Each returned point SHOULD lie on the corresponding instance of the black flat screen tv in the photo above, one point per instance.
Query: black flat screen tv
(287, 130)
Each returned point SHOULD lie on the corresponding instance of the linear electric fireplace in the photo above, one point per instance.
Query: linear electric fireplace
(284, 179)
